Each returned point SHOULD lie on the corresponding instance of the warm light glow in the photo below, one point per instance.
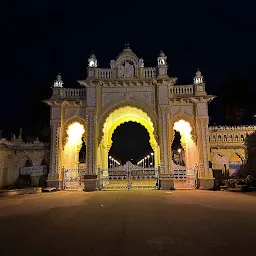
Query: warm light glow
(182, 127)
(75, 132)
(152, 154)
(179, 150)
(188, 145)
(120, 116)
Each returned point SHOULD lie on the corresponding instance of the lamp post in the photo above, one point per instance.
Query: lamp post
(110, 161)
(179, 152)
(148, 156)
(152, 155)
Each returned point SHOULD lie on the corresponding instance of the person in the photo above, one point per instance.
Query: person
(196, 175)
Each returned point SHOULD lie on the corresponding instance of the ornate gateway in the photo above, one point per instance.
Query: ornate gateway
(128, 176)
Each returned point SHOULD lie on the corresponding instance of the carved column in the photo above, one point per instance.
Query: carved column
(164, 141)
(91, 142)
(206, 180)
(53, 177)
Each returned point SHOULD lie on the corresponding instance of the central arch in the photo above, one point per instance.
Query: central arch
(120, 116)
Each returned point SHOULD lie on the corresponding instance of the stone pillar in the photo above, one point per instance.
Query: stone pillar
(166, 179)
(206, 180)
(54, 172)
(91, 142)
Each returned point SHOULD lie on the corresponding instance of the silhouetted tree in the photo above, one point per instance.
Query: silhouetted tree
(250, 167)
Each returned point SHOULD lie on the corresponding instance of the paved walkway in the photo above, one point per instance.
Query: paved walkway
(136, 222)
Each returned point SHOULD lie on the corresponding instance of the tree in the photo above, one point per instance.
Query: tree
(250, 167)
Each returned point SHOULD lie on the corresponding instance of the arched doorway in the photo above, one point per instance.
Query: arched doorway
(73, 155)
(121, 116)
(72, 146)
(188, 145)
(235, 162)
(130, 142)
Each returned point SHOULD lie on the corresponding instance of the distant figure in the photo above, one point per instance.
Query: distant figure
(196, 175)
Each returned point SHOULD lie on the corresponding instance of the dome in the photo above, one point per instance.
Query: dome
(127, 53)
(162, 54)
(198, 73)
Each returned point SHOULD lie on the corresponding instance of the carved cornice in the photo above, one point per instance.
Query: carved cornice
(64, 102)
(5, 143)
(240, 128)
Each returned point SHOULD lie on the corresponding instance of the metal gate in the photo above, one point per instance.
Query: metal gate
(128, 176)
(72, 179)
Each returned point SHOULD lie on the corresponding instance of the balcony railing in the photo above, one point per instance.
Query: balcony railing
(69, 93)
(105, 73)
(149, 72)
(181, 90)
(74, 93)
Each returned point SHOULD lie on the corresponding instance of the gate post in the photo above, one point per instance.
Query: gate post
(98, 179)
(63, 177)
(158, 177)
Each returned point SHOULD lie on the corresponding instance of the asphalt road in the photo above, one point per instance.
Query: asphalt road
(136, 222)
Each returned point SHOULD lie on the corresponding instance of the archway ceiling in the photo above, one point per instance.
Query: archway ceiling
(127, 114)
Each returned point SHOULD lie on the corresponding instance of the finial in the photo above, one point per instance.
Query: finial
(127, 46)
(161, 53)
(58, 83)
(92, 61)
(20, 135)
(198, 79)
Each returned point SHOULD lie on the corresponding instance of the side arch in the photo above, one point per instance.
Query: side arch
(71, 120)
(187, 118)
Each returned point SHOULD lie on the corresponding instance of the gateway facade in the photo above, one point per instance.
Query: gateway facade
(129, 91)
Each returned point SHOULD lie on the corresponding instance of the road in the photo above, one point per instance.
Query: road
(136, 222)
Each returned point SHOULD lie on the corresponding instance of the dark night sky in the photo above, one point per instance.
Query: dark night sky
(41, 38)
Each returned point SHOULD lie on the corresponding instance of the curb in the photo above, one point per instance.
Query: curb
(18, 192)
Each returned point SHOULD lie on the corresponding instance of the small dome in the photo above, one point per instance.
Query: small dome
(198, 73)
(127, 47)
(162, 54)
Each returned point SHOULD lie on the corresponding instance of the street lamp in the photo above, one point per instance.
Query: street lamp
(110, 162)
(152, 154)
(148, 156)
(179, 151)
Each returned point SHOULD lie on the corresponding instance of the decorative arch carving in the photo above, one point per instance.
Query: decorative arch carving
(238, 154)
(127, 64)
(68, 122)
(129, 103)
(187, 118)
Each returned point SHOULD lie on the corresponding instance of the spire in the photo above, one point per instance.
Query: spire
(127, 46)
(58, 83)
(198, 79)
(161, 60)
(92, 61)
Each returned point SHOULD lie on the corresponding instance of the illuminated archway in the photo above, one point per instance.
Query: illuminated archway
(188, 144)
(118, 117)
(73, 143)
(235, 163)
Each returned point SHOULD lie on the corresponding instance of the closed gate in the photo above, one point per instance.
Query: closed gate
(72, 179)
(128, 176)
